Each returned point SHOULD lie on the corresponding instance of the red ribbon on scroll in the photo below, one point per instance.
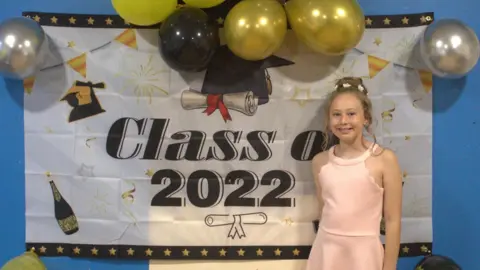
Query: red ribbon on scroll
(215, 102)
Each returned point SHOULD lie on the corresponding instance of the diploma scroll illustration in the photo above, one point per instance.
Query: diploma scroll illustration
(244, 102)
(236, 222)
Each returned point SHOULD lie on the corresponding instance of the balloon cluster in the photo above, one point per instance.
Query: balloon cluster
(254, 30)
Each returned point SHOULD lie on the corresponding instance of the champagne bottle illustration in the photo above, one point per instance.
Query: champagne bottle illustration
(63, 211)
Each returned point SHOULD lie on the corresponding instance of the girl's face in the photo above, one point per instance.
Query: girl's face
(346, 117)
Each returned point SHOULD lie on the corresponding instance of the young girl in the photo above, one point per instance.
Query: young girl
(356, 181)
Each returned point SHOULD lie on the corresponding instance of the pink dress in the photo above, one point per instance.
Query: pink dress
(348, 236)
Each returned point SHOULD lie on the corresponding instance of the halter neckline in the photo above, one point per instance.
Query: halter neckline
(351, 161)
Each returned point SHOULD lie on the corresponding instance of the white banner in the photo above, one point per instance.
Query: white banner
(125, 157)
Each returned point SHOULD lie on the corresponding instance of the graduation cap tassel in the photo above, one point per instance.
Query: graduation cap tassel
(215, 102)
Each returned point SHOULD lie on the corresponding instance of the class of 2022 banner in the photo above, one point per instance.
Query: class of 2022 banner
(126, 158)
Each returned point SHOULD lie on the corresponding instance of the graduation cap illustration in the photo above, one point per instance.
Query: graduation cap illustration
(234, 83)
(81, 97)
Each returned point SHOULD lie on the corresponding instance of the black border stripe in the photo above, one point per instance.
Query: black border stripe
(216, 13)
(195, 252)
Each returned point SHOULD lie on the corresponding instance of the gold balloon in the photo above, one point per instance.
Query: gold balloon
(203, 3)
(144, 12)
(255, 29)
(331, 27)
(26, 261)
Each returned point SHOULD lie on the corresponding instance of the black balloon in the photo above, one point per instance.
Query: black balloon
(188, 40)
(437, 262)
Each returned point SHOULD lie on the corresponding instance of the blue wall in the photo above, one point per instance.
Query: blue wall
(456, 221)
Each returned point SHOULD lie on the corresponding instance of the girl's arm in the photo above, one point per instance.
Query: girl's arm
(392, 207)
(317, 163)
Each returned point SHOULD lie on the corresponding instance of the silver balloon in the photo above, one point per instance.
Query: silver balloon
(23, 48)
(449, 48)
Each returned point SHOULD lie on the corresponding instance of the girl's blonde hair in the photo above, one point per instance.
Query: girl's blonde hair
(354, 86)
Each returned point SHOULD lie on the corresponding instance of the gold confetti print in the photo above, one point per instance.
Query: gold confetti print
(87, 141)
(387, 116)
(149, 172)
(288, 221)
(414, 103)
(127, 196)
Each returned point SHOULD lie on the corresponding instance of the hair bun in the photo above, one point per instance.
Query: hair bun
(351, 82)
(354, 81)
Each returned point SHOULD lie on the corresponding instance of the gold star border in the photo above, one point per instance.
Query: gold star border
(78, 20)
(397, 20)
(247, 252)
(115, 21)
(105, 251)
